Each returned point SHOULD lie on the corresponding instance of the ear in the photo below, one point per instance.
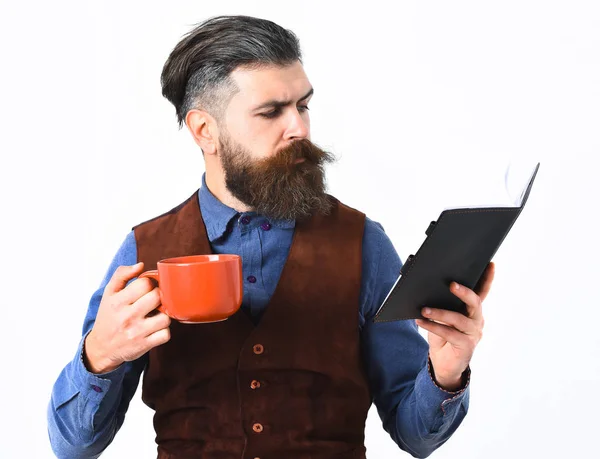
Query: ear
(203, 128)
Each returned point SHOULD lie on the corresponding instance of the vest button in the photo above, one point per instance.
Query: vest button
(255, 384)
(258, 428)
(258, 349)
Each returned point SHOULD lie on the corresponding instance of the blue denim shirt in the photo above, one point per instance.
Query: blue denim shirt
(86, 410)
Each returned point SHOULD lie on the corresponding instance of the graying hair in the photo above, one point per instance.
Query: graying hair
(197, 72)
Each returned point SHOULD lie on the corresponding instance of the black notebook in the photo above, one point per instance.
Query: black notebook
(458, 247)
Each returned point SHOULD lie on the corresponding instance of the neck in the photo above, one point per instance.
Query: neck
(215, 181)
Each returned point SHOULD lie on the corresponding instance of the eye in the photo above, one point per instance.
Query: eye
(272, 114)
(303, 108)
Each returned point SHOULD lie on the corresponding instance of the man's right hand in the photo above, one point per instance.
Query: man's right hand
(124, 330)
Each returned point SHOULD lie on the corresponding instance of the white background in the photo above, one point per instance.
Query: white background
(424, 103)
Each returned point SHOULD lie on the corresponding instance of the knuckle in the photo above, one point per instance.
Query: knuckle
(162, 337)
(156, 294)
(473, 340)
(130, 334)
(149, 284)
(128, 323)
(144, 284)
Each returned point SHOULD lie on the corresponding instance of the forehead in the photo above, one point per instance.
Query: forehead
(271, 82)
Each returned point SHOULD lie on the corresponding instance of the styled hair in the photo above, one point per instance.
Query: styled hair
(196, 74)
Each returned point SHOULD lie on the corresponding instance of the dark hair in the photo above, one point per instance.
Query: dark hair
(196, 74)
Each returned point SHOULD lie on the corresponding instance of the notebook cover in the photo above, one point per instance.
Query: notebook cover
(458, 247)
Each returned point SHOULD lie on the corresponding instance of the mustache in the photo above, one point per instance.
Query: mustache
(300, 149)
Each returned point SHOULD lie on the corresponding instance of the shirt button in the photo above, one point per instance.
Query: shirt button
(258, 349)
(255, 384)
(96, 388)
(266, 226)
(258, 428)
(245, 220)
(251, 279)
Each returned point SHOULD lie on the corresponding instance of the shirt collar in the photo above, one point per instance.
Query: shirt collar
(217, 215)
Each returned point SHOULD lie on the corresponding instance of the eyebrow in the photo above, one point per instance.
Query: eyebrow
(282, 103)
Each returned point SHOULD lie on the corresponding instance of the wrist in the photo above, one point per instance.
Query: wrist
(449, 382)
(94, 360)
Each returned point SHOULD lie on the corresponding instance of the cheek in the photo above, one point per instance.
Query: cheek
(264, 138)
(241, 129)
(246, 133)
(256, 145)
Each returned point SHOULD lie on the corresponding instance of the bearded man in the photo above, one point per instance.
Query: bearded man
(293, 373)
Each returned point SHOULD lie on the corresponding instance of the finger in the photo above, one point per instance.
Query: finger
(121, 276)
(135, 290)
(471, 299)
(157, 338)
(485, 283)
(146, 303)
(445, 332)
(451, 318)
(156, 322)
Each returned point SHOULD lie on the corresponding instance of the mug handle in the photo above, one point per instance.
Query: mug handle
(153, 274)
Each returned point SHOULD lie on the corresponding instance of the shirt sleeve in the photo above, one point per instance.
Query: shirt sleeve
(86, 410)
(419, 415)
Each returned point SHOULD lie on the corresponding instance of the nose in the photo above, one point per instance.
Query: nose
(297, 126)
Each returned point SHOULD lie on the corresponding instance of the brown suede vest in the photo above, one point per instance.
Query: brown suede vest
(292, 386)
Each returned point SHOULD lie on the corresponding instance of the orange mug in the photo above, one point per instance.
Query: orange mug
(199, 288)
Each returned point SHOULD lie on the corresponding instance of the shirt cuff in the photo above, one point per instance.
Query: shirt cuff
(465, 380)
(94, 386)
(436, 402)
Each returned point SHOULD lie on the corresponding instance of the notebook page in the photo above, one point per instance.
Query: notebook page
(503, 190)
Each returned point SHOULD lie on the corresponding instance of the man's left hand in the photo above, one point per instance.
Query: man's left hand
(454, 336)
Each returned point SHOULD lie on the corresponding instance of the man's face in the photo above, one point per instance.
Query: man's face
(269, 161)
(265, 130)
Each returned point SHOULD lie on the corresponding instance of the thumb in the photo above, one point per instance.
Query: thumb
(122, 275)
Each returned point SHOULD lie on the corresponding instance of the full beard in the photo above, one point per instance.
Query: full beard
(278, 187)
